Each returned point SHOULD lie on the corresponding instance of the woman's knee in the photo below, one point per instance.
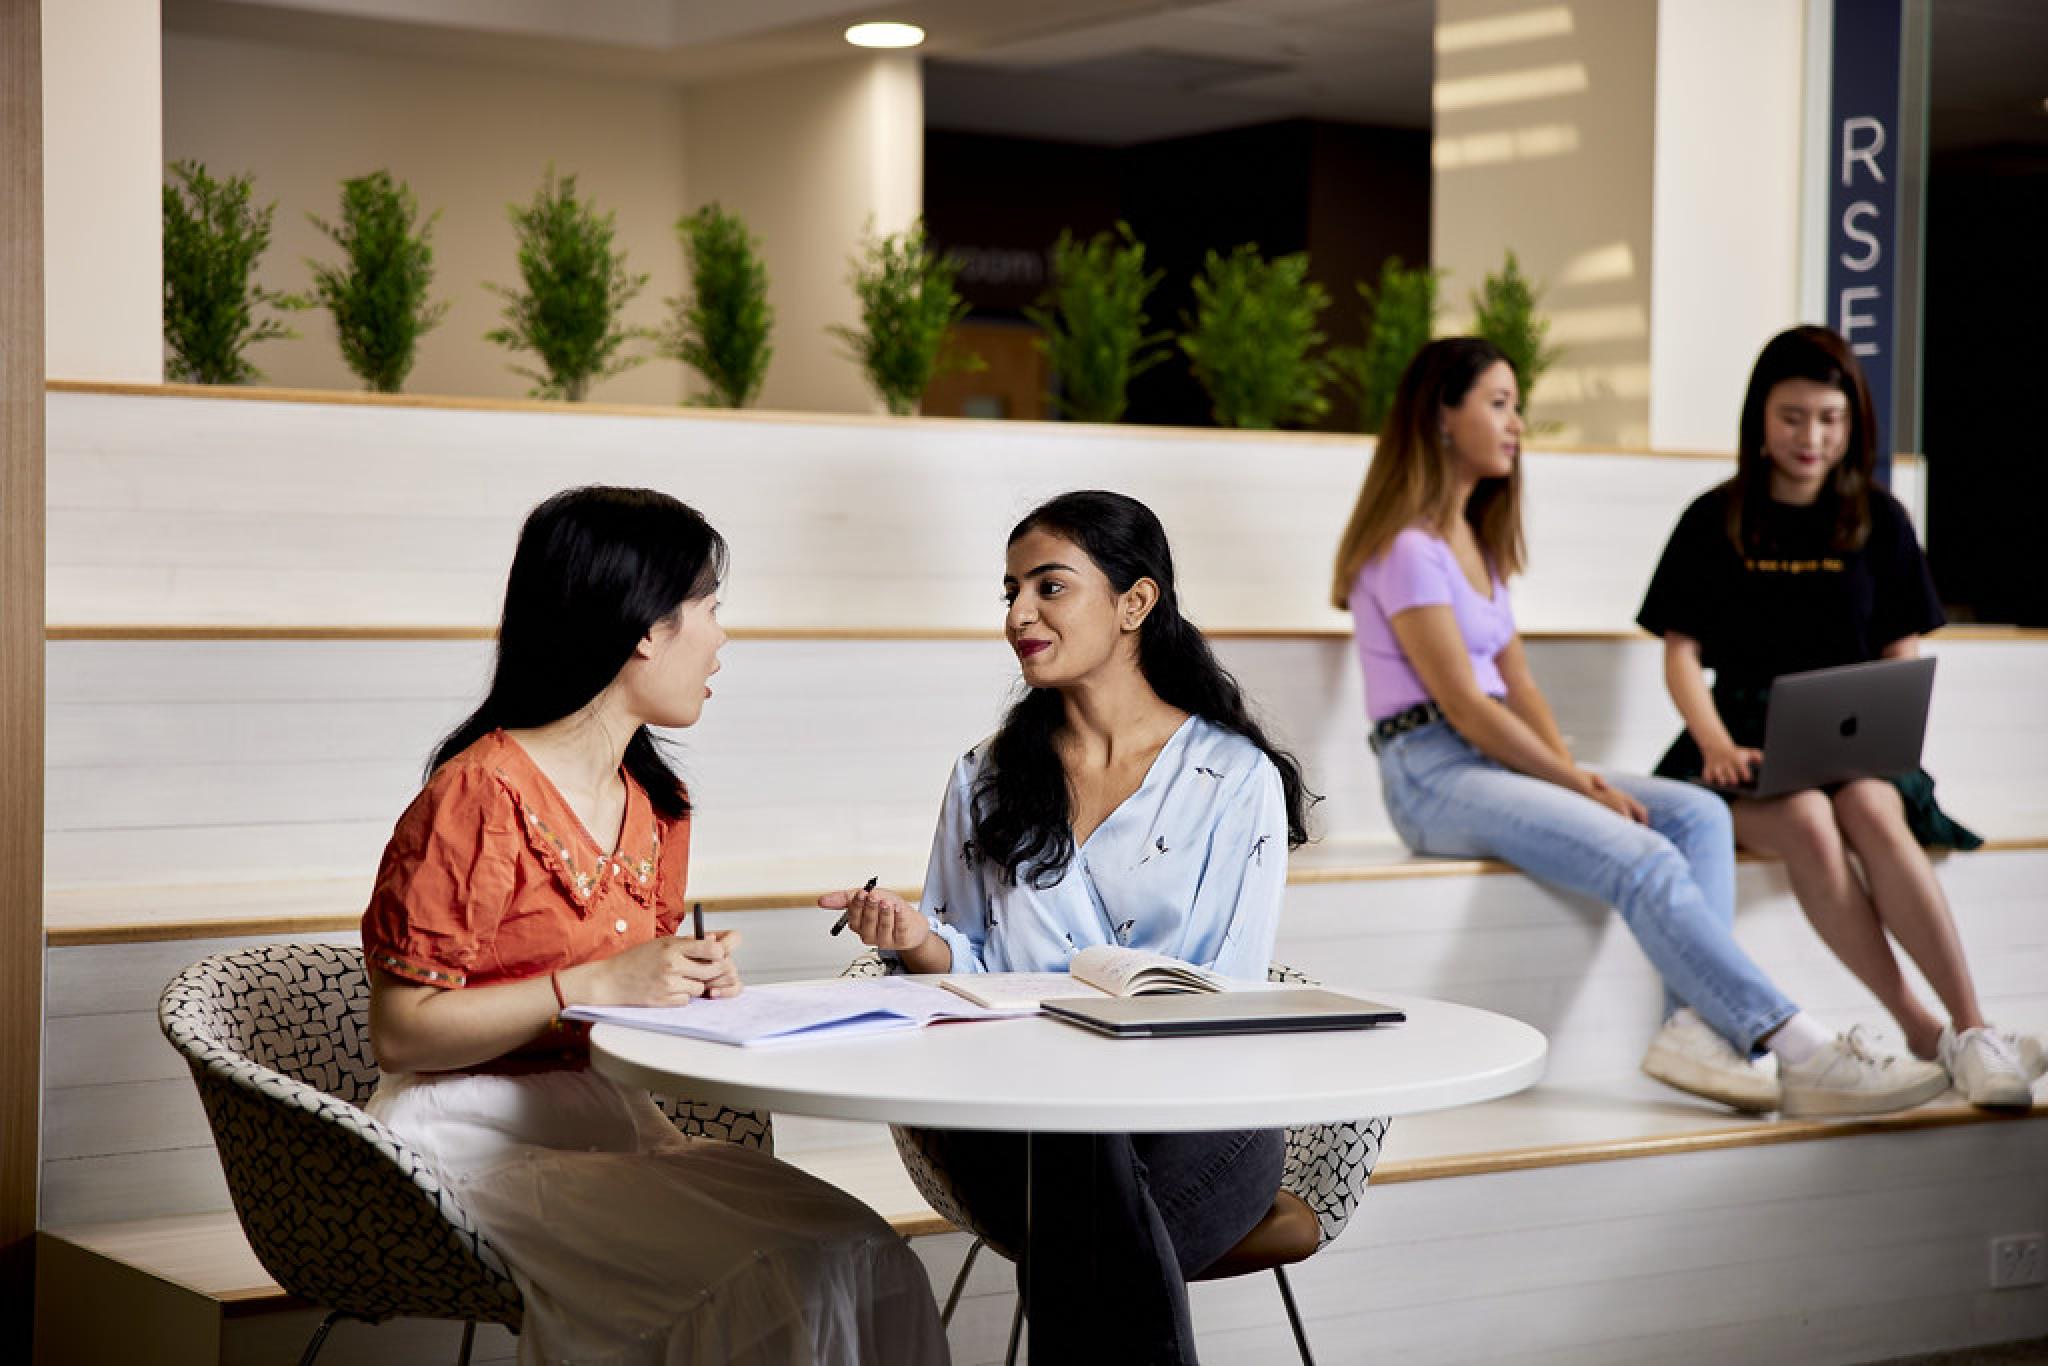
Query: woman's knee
(1803, 829)
(1870, 808)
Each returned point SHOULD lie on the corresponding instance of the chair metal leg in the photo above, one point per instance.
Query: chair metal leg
(1293, 1316)
(319, 1337)
(960, 1283)
(468, 1341)
(1016, 1332)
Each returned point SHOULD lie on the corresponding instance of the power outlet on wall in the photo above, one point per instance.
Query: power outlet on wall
(2018, 1261)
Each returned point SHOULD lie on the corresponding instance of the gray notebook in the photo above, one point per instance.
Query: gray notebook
(1223, 1012)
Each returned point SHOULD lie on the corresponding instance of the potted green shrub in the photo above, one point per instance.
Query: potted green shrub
(1504, 312)
(721, 330)
(1093, 317)
(377, 292)
(213, 237)
(908, 308)
(576, 285)
(1400, 317)
(1251, 339)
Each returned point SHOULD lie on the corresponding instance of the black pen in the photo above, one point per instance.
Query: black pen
(697, 917)
(840, 923)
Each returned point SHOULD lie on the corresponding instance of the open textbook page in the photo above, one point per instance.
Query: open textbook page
(1104, 970)
(797, 1012)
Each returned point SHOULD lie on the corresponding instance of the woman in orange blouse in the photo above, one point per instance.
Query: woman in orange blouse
(543, 865)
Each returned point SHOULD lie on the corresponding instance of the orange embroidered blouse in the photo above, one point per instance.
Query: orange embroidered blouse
(490, 877)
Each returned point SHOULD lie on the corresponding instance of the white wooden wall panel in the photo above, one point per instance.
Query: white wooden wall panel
(175, 510)
(116, 1092)
(203, 761)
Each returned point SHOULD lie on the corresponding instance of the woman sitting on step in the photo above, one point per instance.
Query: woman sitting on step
(1130, 799)
(543, 866)
(1473, 766)
(1801, 561)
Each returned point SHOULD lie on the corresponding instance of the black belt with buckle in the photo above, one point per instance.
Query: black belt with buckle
(1401, 722)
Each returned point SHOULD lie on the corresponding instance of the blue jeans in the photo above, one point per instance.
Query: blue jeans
(1673, 880)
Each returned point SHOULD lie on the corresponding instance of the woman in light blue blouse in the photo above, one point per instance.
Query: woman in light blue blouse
(1129, 798)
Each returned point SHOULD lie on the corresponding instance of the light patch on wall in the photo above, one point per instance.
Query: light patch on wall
(1576, 326)
(1509, 87)
(1468, 35)
(1599, 266)
(1592, 383)
(1509, 144)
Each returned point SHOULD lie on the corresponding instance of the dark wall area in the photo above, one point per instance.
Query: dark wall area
(1986, 358)
(1350, 196)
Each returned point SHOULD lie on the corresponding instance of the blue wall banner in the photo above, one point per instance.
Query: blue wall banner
(1864, 239)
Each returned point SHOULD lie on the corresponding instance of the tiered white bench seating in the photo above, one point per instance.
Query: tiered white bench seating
(264, 613)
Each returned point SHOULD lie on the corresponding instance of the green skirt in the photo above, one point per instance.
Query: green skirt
(1742, 711)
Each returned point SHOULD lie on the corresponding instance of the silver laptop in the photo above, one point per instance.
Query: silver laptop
(1831, 725)
(1222, 1012)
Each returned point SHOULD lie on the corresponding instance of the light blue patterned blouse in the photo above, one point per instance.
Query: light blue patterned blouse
(1193, 864)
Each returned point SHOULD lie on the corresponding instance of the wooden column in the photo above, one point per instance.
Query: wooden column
(21, 660)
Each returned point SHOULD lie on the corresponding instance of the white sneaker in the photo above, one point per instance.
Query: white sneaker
(2033, 1061)
(1688, 1054)
(1846, 1078)
(1986, 1067)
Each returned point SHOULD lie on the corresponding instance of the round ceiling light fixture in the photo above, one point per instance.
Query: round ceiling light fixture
(885, 35)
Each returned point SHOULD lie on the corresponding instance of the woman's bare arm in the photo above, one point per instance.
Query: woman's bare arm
(1723, 762)
(416, 1028)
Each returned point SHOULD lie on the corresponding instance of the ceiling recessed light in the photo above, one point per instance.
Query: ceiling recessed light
(885, 35)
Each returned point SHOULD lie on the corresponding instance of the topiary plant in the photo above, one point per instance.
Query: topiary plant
(1094, 322)
(1504, 312)
(576, 286)
(212, 241)
(908, 308)
(378, 292)
(1400, 316)
(721, 331)
(1251, 335)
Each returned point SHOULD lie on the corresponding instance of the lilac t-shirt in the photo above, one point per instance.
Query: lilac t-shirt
(1419, 570)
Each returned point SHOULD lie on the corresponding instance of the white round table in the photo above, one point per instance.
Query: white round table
(1038, 1075)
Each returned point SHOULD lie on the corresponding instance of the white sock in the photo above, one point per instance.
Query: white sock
(1799, 1038)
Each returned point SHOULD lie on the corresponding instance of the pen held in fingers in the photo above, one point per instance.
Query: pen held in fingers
(840, 923)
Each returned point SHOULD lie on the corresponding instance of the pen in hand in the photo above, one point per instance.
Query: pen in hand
(697, 918)
(840, 923)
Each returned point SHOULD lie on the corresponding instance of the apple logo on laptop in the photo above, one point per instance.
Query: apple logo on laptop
(1849, 727)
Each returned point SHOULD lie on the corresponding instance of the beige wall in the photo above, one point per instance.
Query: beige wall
(1544, 137)
(102, 211)
(809, 158)
(1725, 252)
(470, 140)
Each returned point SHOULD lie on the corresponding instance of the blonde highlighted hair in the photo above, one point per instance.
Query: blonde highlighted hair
(1409, 480)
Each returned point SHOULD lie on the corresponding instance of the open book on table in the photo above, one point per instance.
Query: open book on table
(800, 1012)
(1104, 970)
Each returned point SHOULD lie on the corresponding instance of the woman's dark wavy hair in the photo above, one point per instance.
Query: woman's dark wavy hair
(1024, 822)
(1816, 354)
(595, 570)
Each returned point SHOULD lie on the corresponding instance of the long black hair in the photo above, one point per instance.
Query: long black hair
(595, 570)
(1023, 822)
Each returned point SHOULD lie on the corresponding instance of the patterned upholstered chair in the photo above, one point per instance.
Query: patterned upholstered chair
(341, 1211)
(1327, 1168)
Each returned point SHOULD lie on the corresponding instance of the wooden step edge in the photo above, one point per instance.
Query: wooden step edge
(1762, 1133)
(159, 632)
(131, 932)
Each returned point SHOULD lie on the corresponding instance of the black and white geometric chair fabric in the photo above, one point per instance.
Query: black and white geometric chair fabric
(1327, 1168)
(341, 1211)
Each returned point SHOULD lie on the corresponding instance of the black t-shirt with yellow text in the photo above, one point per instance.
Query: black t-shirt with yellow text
(1791, 602)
